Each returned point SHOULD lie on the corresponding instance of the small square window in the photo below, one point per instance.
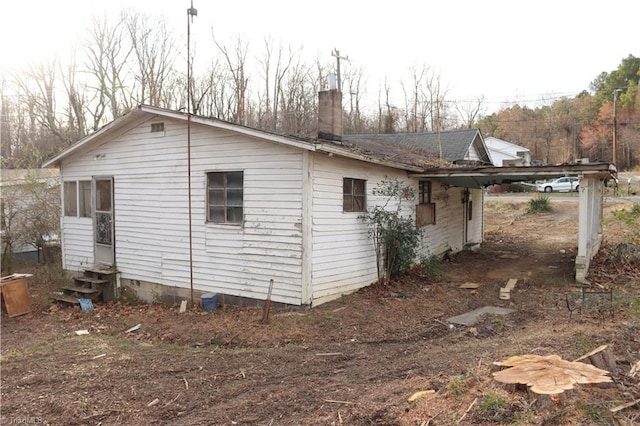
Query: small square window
(225, 196)
(426, 209)
(157, 127)
(424, 193)
(354, 195)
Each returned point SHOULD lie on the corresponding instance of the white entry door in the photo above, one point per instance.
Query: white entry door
(103, 229)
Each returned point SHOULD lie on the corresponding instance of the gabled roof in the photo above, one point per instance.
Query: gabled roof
(144, 112)
(377, 152)
(455, 143)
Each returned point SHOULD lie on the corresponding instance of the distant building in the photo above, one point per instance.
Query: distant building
(16, 200)
(504, 154)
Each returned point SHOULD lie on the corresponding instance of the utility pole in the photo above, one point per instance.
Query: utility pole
(191, 12)
(615, 126)
(336, 54)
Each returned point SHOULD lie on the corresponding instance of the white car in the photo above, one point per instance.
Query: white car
(563, 184)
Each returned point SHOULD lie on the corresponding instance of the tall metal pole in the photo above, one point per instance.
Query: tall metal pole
(615, 127)
(336, 54)
(191, 12)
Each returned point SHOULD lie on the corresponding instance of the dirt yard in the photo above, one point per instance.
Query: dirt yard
(354, 361)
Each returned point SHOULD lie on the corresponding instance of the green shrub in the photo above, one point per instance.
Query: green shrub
(395, 236)
(541, 204)
(431, 267)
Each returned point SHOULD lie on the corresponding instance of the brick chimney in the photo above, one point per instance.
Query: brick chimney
(330, 115)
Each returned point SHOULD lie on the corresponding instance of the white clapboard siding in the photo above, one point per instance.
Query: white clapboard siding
(77, 247)
(476, 233)
(448, 231)
(151, 210)
(343, 254)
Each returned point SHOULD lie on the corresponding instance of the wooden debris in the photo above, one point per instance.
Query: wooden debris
(267, 305)
(99, 356)
(154, 402)
(329, 354)
(601, 357)
(635, 369)
(467, 412)
(624, 406)
(333, 401)
(505, 292)
(82, 332)
(548, 375)
(421, 394)
(134, 328)
(183, 306)
(470, 286)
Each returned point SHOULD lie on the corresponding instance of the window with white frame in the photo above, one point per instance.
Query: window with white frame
(225, 195)
(77, 198)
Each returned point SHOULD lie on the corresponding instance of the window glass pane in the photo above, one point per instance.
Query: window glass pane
(216, 198)
(216, 180)
(234, 180)
(70, 199)
(347, 186)
(358, 204)
(347, 203)
(85, 198)
(234, 214)
(216, 214)
(103, 195)
(234, 198)
(358, 187)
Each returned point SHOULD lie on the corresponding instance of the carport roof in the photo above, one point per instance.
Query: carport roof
(479, 177)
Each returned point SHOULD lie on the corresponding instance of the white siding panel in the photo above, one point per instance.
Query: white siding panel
(151, 210)
(343, 254)
(77, 235)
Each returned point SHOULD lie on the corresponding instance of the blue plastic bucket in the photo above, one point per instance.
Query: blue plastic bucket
(209, 301)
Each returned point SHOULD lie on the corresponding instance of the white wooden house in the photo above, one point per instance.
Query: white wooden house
(178, 204)
(505, 153)
(259, 206)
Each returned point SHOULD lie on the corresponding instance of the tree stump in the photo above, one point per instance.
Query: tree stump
(601, 357)
(550, 377)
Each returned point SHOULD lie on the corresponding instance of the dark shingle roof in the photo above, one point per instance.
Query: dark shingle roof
(455, 143)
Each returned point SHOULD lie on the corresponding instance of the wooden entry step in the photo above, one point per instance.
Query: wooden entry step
(82, 292)
(65, 298)
(89, 281)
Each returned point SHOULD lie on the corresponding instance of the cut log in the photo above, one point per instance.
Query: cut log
(601, 357)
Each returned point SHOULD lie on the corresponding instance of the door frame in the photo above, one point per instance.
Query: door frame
(103, 222)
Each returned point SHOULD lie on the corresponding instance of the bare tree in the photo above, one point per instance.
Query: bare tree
(154, 50)
(108, 52)
(236, 62)
(353, 81)
(469, 111)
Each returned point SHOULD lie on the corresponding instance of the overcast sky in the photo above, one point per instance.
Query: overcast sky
(506, 51)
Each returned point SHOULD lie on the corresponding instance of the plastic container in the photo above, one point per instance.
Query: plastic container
(209, 301)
